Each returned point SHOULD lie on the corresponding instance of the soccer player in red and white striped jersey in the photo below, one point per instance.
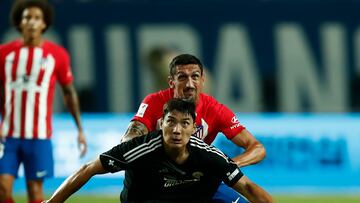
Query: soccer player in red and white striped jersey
(29, 69)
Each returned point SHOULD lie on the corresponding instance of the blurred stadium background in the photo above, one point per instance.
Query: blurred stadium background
(290, 68)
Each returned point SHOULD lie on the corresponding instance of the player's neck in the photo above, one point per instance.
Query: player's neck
(29, 41)
(179, 156)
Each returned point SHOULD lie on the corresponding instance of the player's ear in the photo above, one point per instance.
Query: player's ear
(43, 27)
(161, 121)
(171, 82)
(194, 128)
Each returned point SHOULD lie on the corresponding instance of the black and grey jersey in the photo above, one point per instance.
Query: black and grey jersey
(152, 175)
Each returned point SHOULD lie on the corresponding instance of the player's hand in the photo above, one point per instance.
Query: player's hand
(82, 145)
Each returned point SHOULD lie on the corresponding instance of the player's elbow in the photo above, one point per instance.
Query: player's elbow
(261, 151)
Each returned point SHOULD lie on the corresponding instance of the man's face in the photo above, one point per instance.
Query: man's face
(177, 128)
(187, 82)
(32, 22)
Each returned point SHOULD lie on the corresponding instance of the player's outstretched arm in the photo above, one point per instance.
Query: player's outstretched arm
(74, 182)
(135, 129)
(254, 150)
(251, 191)
(72, 102)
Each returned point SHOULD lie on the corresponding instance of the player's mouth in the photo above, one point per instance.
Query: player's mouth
(31, 30)
(189, 93)
(176, 141)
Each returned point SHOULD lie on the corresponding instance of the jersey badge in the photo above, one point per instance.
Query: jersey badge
(141, 110)
(111, 162)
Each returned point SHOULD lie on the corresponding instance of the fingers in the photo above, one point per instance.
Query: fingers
(82, 145)
(83, 149)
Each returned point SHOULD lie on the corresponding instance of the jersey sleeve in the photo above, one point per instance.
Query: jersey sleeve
(113, 160)
(228, 123)
(150, 110)
(223, 166)
(232, 173)
(63, 70)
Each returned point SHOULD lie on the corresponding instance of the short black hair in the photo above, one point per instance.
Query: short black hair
(181, 105)
(20, 5)
(184, 59)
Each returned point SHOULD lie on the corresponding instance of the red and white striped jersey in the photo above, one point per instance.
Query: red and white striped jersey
(28, 76)
(212, 117)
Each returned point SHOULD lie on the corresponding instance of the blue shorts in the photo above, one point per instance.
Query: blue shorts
(35, 155)
(228, 195)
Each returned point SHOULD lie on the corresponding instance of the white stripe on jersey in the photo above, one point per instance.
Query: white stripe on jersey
(20, 72)
(31, 93)
(196, 142)
(8, 67)
(143, 149)
(48, 66)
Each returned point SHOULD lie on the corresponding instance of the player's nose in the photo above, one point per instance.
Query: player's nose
(190, 83)
(177, 129)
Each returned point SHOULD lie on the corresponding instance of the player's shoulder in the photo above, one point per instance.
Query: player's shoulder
(206, 151)
(210, 102)
(154, 136)
(145, 144)
(52, 44)
(8, 48)
(161, 96)
(10, 45)
(165, 93)
(55, 47)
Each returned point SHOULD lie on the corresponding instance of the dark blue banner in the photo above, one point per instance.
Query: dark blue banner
(289, 56)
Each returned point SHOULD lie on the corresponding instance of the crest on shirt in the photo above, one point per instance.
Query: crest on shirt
(202, 130)
(141, 110)
(198, 174)
(26, 78)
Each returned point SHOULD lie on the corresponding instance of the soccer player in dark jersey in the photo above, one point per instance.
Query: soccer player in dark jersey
(169, 165)
(29, 69)
(186, 81)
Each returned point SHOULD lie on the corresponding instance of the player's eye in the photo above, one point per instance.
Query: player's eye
(195, 76)
(186, 123)
(170, 122)
(181, 77)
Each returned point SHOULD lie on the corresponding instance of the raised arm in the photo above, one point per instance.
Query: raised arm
(74, 182)
(254, 150)
(251, 191)
(135, 129)
(72, 102)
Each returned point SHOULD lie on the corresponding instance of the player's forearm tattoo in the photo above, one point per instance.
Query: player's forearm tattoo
(136, 129)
